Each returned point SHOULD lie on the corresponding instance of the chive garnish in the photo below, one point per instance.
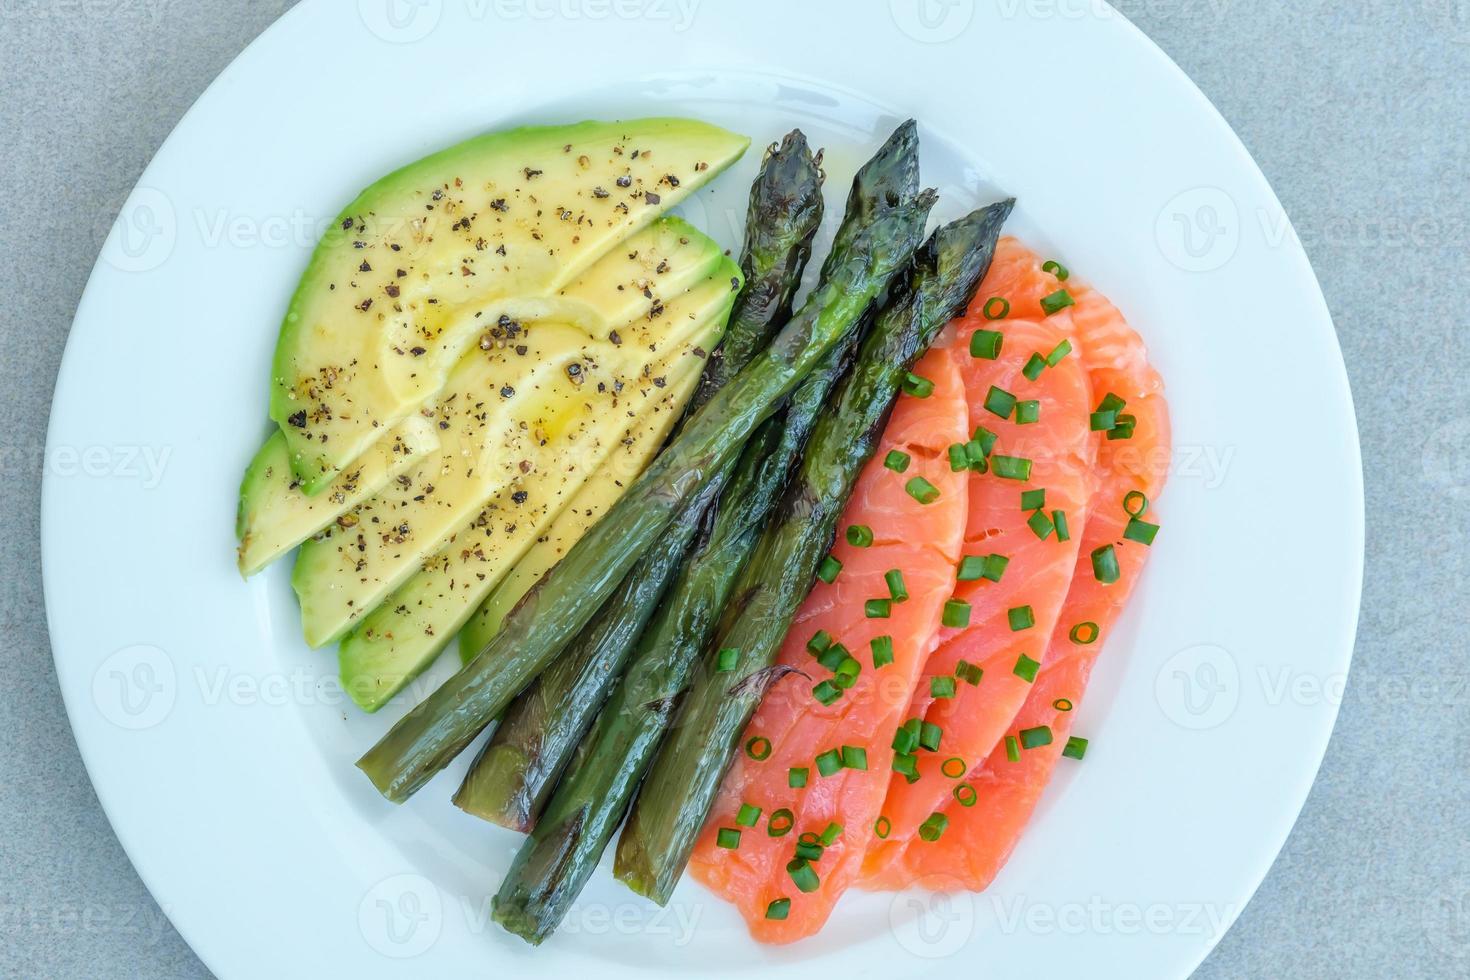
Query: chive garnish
(878, 608)
(830, 835)
(1135, 503)
(1020, 618)
(965, 794)
(954, 767)
(916, 386)
(829, 569)
(999, 402)
(1102, 421)
(803, 876)
(854, 757)
(930, 735)
(986, 344)
(1041, 525)
(968, 672)
(882, 827)
(1141, 531)
(820, 641)
(829, 762)
(941, 687)
(1013, 749)
(905, 739)
(781, 822)
(1026, 668)
(778, 909)
(984, 438)
(1075, 748)
(882, 651)
(1059, 520)
(1028, 412)
(1123, 427)
(1011, 467)
(1033, 499)
(922, 490)
(1084, 633)
(826, 692)
(1058, 352)
(809, 850)
(1056, 269)
(728, 838)
(1062, 704)
(1035, 738)
(972, 568)
(833, 657)
(859, 535)
(896, 461)
(727, 659)
(959, 460)
(897, 591)
(796, 776)
(995, 567)
(906, 764)
(1035, 364)
(1056, 302)
(996, 308)
(758, 748)
(1111, 403)
(933, 827)
(748, 815)
(956, 614)
(1105, 565)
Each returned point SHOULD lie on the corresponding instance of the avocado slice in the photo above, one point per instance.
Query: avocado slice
(274, 516)
(403, 282)
(530, 411)
(403, 635)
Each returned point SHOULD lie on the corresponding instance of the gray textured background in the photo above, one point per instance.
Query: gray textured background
(1359, 113)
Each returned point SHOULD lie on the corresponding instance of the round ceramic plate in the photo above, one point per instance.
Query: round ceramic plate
(222, 747)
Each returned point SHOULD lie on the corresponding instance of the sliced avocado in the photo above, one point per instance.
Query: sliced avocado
(531, 411)
(275, 516)
(405, 280)
(403, 635)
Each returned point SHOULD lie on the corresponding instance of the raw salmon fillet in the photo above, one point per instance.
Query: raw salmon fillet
(922, 540)
(980, 837)
(1038, 570)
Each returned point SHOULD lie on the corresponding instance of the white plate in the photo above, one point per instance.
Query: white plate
(222, 748)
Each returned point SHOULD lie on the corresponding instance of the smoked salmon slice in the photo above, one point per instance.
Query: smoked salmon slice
(806, 716)
(1029, 398)
(987, 812)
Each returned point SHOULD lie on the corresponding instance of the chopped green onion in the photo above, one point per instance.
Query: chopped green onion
(1076, 748)
(956, 614)
(1111, 403)
(833, 657)
(847, 673)
(1041, 525)
(993, 311)
(728, 838)
(727, 660)
(796, 776)
(933, 827)
(930, 735)
(878, 608)
(905, 740)
(1011, 467)
(968, 672)
(1028, 412)
(972, 568)
(917, 386)
(829, 762)
(854, 757)
(830, 835)
(999, 402)
(758, 748)
(1026, 668)
(1102, 421)
(748, 815)
(985, 438)
(809, 850)
(995, 567)
(959, 460)
(826, 692)
(1135, 503)
(906, 764)
(1013, 749)
(882, 651)
(829, 569)
(965, 794)
(820, 641)
(1035, 738)
(1062, 704)
(1033, 499)
(897, 591)
(1056, 302)
(1059, 519)
(954, 767)
(1020, 618)
(896, 461)
(1035, 364)
(922, 490)
(780, 823)
(975, 455)
(986, 343)
(1056, 269)
(778, 909)
(882, 827)
(1141, 531)
(802, 874)
(859, 535)
(1084, 633)
(1058, 352)
(1123, 429)
(1105, 565)
(941, 687)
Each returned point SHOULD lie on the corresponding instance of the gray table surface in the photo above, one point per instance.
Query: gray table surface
(1359, 113)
